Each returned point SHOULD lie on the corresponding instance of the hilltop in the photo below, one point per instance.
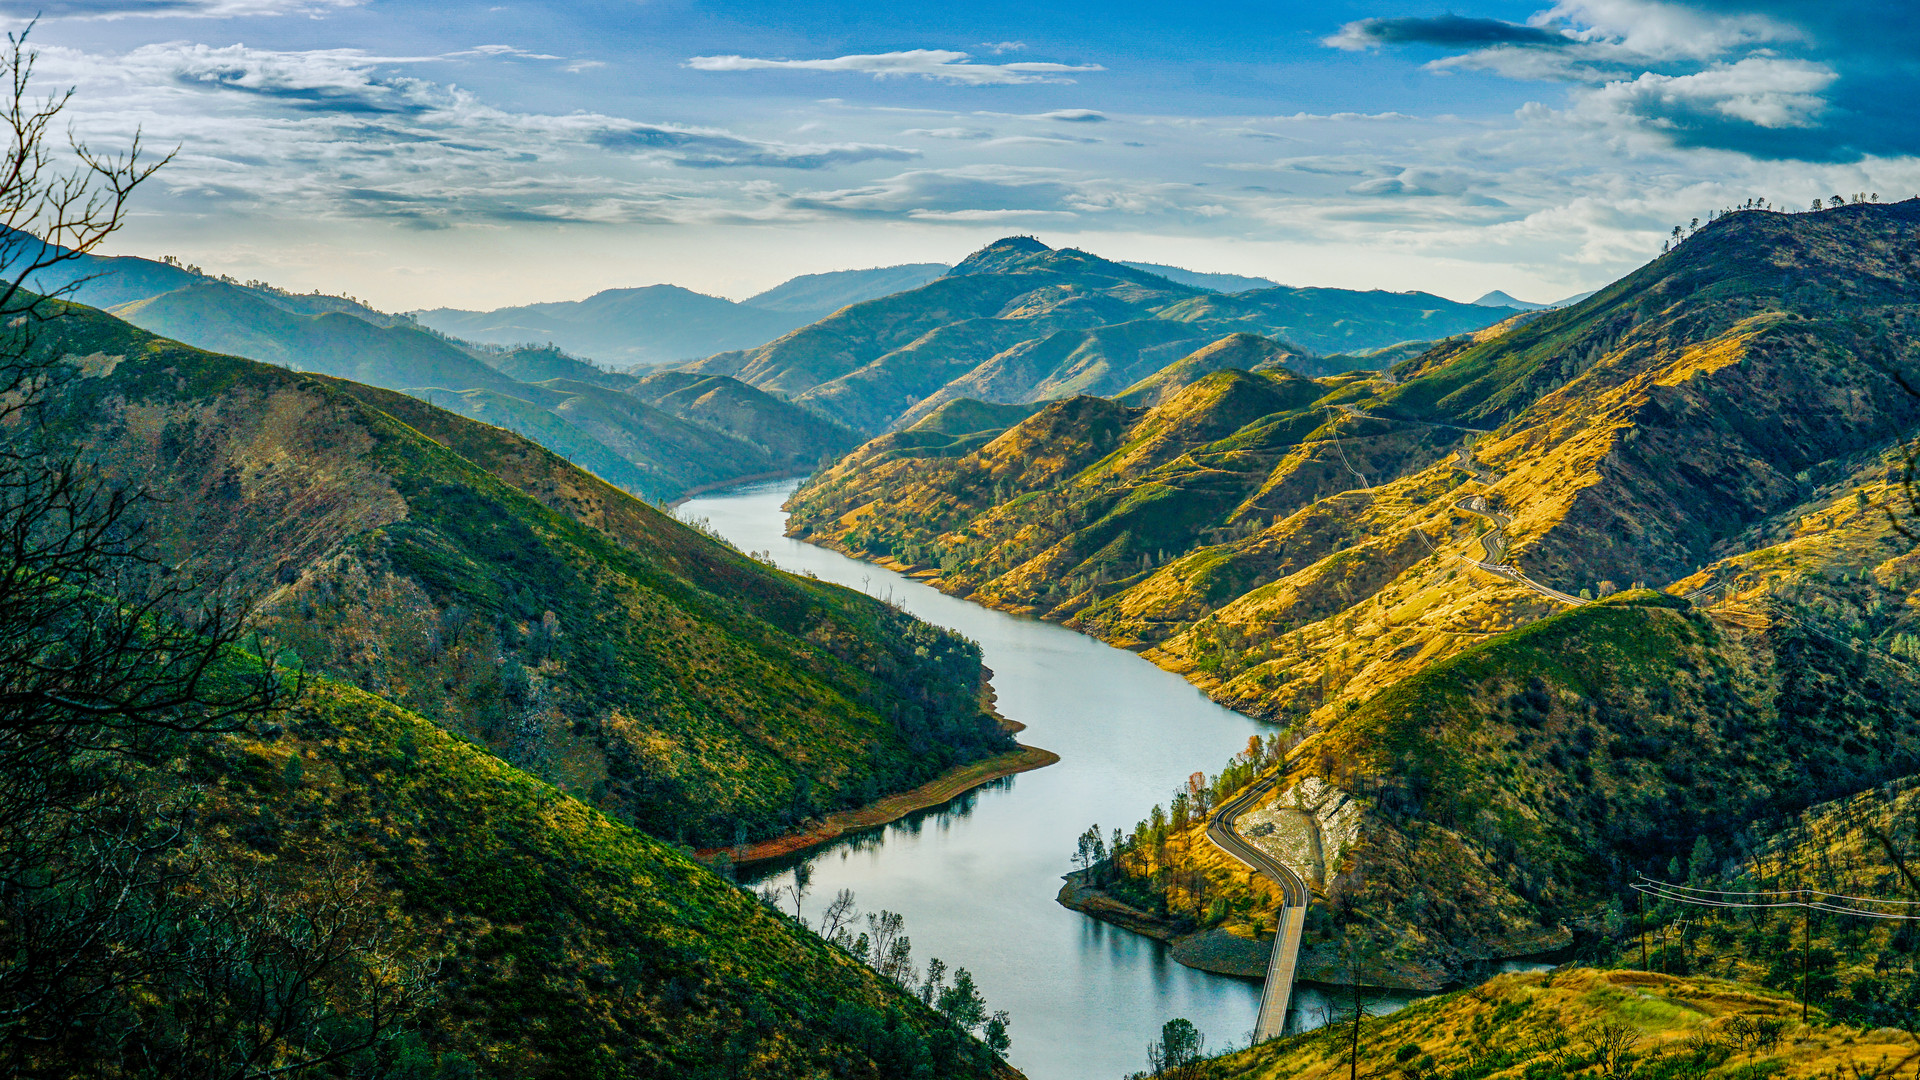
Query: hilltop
(485, 583)
(1327, 553)
(662, 324)
(1580, 1021)
(1018, 322)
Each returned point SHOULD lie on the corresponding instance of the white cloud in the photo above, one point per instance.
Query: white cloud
(207, 9)
(945, 65)
(1761, 91)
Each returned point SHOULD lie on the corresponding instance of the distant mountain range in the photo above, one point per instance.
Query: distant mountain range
(659, 439)
(1497, 298)
(1018, 321)
(663, 324)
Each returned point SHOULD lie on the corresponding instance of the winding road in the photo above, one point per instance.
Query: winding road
(1285, 958)
(1493, 545)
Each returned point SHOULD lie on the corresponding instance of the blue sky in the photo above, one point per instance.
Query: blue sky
(477, 154)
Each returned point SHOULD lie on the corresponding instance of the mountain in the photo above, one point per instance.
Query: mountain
(627, 441)
(223, 318)
(1497, 298)
(1018, 322)
(817, 295)
(1725, 423)
(657, 324)
(463, 573)
(792, 437)
(663, 324)
(1500, 299)
(523, 690)
(1226, 283)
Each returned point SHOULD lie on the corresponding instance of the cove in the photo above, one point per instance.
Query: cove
(976, 878)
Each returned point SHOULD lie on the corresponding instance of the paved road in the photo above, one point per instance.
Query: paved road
(1293, 912)
(1493, 545)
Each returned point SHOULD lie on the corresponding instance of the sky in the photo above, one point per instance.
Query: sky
(476, 155)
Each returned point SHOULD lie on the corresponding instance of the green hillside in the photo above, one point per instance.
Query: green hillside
(224, 318)
(571, 628)
(657, 324)
(519, 932)
(1582, 1022)
(1333, 562)
(1019, 322)
(793, 437)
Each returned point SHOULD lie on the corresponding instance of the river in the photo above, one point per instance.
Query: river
(976, 878)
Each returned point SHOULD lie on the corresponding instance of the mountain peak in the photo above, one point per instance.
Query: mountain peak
(1496, 298)
(1002, 254)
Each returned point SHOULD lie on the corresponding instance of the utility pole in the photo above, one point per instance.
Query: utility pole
(1641, 901)
(1353, 1073)
(1806, 950)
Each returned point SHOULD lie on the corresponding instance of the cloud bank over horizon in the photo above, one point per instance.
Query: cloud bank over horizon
(418, 162)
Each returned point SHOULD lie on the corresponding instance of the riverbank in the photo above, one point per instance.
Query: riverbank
(947, 786)
(1217, 951)
(944, 788)
(1224, 953)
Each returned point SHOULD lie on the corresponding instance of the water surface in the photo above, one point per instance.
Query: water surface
(976, 879)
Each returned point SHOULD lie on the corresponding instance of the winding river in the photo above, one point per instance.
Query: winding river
(976, 878)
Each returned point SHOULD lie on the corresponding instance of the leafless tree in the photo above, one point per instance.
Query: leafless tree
(127, 947)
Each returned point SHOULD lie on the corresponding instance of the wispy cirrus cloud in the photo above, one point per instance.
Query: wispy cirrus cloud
(944, 65)
(205, 9)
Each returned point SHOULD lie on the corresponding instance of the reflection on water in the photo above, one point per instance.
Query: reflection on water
(976, 877)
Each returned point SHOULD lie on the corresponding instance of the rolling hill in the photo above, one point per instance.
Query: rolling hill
(664, 324)
(1725, 423)
(470, 576)
(1018, 322)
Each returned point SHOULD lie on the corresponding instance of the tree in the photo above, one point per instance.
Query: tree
(126, 947)
(961, 1003)
(996, 1036)
(1179, 1050)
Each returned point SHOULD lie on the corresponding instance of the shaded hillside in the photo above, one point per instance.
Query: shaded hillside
(657, 324)
(223, 318)
(1336, 320)
(1582, 1022)
(1860, 968)
(534, 935)
(535, 364)
(576, 631)
(1246, 352)
(725, 433)
(792, 437)
(1019, 322)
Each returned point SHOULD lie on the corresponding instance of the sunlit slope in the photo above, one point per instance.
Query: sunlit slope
(1582, 1022)
(1019, 322)
(568, 626)
(555, 940)
(1313, 556)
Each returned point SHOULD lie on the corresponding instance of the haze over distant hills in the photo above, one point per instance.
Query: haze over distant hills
(1018, 321)
(1497, 298)
(663, 324)
(656, 440)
